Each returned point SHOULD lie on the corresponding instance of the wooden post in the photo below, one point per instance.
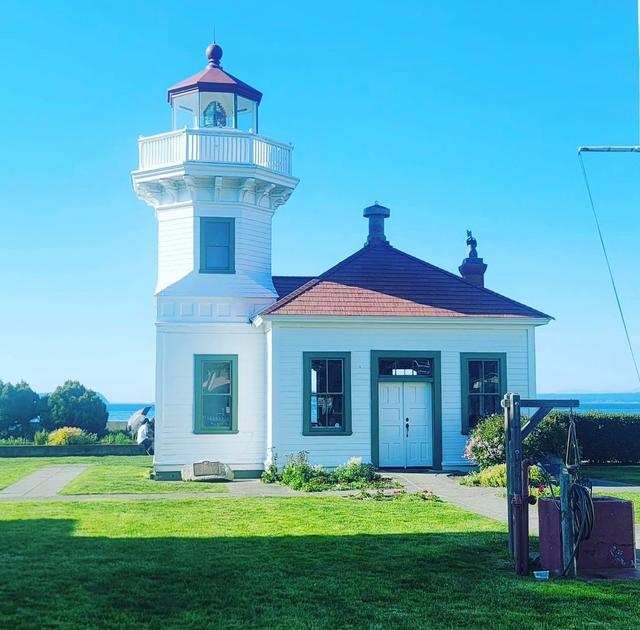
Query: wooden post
(566, 519)
(517, 494)
(514, 464)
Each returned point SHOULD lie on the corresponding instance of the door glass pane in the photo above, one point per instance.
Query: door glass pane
(334, 381)
(216, 412)
(318, 376)
(410, 366)
(422, 367)
(475, 377)
(491, 377)
(385, 367)
(216, 377)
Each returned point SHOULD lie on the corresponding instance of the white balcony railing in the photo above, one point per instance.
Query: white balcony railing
(217, 146)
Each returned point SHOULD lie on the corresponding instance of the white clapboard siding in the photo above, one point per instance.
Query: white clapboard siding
(179, 255)
(176, 443)
(290, 340)
(175, 247)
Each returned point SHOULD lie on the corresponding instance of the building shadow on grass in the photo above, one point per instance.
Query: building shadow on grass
(51, 577)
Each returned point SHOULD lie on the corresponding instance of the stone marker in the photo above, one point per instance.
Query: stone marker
(206, 471)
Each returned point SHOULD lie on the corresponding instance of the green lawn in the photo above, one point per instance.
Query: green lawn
(300, 562)
(617, 473)
(106, 475)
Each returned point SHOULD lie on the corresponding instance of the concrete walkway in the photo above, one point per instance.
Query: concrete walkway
(44, 483)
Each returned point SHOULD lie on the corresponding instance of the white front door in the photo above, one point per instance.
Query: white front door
(405, 424)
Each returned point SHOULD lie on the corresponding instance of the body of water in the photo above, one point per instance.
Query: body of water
(606, 403)
(121, 412)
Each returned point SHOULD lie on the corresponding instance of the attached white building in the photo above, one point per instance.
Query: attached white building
(383, 357)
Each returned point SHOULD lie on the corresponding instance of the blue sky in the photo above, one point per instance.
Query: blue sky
(456, 115)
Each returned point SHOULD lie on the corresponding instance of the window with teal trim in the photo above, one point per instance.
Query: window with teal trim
(216, 393)
(217, 245)
(327, 393)
(484, 383)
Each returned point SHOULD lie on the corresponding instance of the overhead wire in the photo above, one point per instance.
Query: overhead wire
(606, 257)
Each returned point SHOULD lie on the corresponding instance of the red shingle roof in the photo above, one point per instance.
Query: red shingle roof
(379, 280)
(215, 80)
(287, 284)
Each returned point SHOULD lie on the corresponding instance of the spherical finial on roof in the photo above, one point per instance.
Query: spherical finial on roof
(214, 54)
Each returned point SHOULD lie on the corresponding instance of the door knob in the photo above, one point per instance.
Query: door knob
(406, 426)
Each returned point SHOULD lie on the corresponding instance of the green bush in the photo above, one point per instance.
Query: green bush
(603, 438)
(270, 474)
(14, 441)
(496, 477)
(299, 474)
(486, 444)
(117, 437)
(40, 438)
(73, 405)
(18, 406)
(606, 438)
(70, 435)
(354, 471)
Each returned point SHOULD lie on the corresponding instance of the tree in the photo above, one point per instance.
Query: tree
(73, 405)
(18, 406)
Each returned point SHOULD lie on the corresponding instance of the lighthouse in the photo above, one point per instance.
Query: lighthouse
(215, 183)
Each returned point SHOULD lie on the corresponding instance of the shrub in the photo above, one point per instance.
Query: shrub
(117, 437)
(270, 474)
(298, 473)
(18, 406)
(603, 438)
(14, 441)
(73, 405)
(486, 444)
(354, 471)
(496, 477)
(70, 435)
(606, 438)
(40, 438)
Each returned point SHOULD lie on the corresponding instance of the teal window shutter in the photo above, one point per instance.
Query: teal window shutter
(217, 245)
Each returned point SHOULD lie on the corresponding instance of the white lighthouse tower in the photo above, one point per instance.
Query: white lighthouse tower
(215, 184)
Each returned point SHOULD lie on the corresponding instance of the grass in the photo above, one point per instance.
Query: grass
(301, 562)
(105, 475)
(612, 472)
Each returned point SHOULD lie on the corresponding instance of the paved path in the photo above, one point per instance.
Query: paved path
(43, 483)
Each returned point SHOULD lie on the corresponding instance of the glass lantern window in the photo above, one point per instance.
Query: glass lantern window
(247, 114)
(217, 110)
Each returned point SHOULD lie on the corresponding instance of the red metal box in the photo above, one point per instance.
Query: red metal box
(612, 542)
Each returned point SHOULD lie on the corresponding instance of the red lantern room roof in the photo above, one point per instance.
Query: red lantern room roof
(214, 79)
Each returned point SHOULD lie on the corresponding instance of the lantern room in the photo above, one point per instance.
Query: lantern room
(214, 99)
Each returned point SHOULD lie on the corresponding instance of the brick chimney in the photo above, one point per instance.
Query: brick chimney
(472, 268)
